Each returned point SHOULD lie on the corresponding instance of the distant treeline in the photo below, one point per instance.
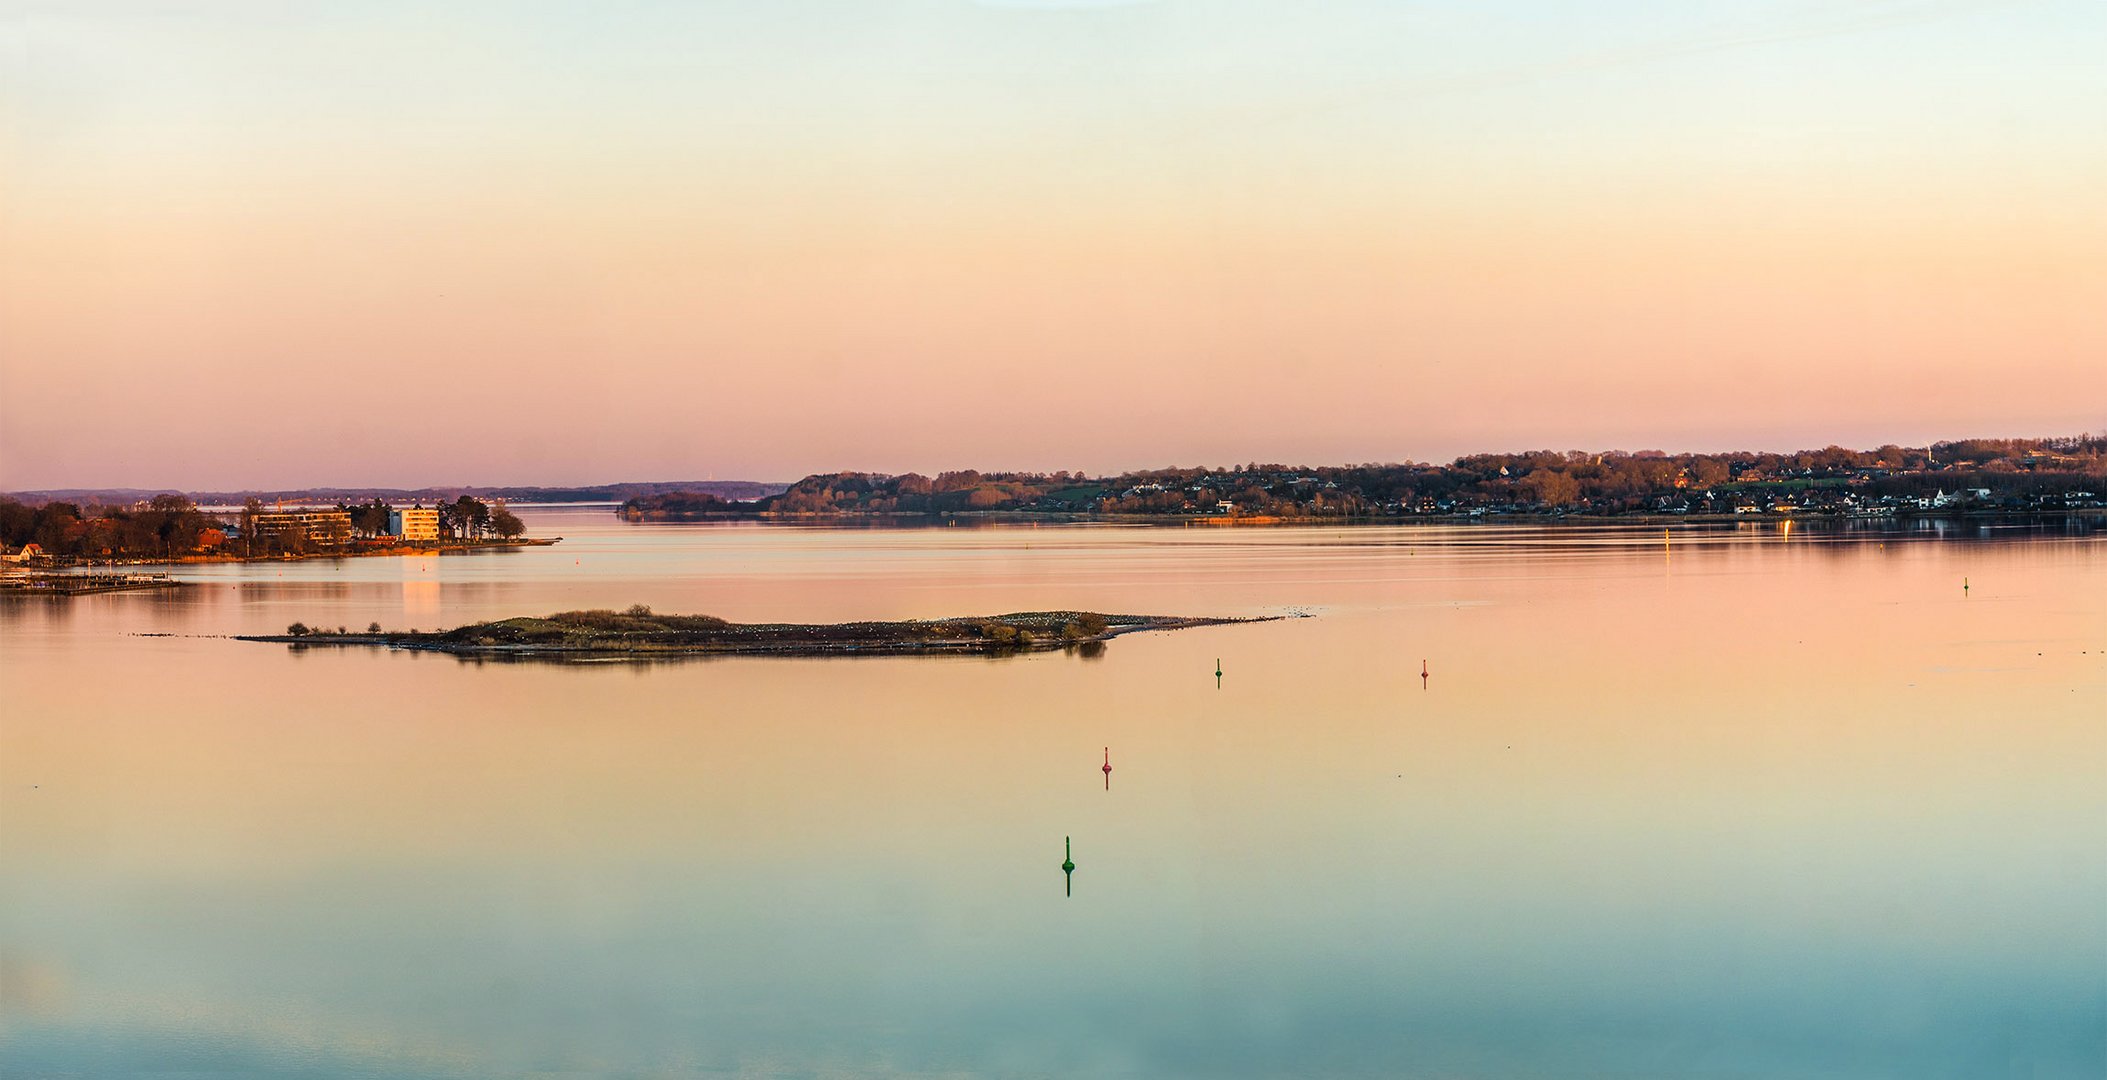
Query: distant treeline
(166, 526)
(1610, 482)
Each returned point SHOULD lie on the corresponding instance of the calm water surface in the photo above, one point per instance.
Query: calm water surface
(1750, 803)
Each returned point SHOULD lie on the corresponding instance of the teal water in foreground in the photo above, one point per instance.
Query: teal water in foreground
(1743, 802)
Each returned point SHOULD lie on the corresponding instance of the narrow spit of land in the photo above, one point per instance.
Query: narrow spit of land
(640, 634)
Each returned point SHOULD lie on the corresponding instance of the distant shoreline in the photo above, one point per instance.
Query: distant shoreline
(920, 518)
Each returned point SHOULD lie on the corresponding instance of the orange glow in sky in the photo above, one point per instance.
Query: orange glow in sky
(241, 246)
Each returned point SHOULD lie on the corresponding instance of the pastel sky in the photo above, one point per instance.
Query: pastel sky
(261, 243)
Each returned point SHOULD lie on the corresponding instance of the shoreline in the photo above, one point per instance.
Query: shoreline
(921, 518)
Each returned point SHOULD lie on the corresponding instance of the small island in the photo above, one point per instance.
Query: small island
(638, 633)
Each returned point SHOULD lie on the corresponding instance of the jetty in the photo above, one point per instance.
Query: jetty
(54, 584)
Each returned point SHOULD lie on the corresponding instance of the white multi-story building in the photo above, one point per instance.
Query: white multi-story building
(326, 528)
(414, 522)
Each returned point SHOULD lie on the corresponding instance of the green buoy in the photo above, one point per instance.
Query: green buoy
(1068, 865)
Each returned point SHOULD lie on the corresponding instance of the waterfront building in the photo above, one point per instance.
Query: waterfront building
(414, 522)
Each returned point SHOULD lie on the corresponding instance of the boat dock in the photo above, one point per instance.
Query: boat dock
(35, 584)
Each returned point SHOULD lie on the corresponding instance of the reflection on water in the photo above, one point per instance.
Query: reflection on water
(1742, 802)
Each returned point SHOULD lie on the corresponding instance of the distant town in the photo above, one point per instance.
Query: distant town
(1970, 476)
(2051, 475)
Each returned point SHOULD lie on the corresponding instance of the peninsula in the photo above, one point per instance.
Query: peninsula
(172, 528)
(638, 633)
(1954, 478)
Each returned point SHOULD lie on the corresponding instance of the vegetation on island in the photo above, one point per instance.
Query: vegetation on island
(640, 631)
(1985, 474)
(682, 506)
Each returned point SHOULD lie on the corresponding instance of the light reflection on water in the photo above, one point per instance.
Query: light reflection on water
(1739, 804)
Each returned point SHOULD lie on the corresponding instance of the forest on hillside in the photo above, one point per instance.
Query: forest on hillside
(1993, 473)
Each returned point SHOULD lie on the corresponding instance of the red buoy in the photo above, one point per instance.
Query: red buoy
(1108, 768)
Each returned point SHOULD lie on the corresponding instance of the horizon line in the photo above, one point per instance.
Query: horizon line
(404, 488)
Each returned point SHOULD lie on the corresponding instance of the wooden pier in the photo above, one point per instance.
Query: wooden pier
(43, 584)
